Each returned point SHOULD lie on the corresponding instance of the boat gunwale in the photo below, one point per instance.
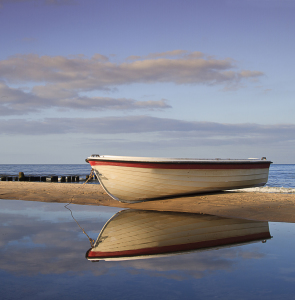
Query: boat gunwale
(157, 160)
(184, 162)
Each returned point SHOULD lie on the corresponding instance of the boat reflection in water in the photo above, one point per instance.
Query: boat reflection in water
(139, 234)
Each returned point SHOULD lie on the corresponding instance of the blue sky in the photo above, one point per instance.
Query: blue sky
(199, 79)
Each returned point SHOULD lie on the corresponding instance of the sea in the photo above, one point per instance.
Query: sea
(44, 250)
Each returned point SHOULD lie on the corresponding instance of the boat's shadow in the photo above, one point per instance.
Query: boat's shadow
(177, 197)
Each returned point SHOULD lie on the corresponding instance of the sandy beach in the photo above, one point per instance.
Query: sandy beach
(249, 205)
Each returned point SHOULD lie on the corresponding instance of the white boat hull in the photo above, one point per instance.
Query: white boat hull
(137, 180)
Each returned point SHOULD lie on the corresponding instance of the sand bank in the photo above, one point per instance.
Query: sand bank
(248, 205)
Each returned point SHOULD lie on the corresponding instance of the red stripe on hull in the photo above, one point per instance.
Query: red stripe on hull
(177, 248)
(160, 165)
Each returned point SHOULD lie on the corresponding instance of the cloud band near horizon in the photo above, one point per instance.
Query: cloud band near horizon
(168, 131)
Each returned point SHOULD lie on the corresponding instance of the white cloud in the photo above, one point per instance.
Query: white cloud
(166, 54)
(59, 81)
(15, 101)
(97, 72)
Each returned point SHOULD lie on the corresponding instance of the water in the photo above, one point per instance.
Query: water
(42, 253)
(43, 257)
(279, 175)
(281, 179)
(45, 170)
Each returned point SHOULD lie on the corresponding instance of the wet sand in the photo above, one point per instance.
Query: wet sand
(248, 205)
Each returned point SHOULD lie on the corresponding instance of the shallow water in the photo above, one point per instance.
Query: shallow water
(43, 256)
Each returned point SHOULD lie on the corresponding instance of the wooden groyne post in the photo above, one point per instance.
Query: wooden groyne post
(53, 178)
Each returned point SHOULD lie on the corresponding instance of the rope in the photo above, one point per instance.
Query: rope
(90, 177)
(90, 239)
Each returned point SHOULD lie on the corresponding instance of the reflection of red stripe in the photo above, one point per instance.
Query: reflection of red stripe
(182, 247)
(161, 165)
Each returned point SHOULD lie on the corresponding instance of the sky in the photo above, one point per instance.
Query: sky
(163, 78)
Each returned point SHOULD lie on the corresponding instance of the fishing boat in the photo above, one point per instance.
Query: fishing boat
(135, 179)
(139, 234)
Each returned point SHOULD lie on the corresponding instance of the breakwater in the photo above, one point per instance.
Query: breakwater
(47, 178)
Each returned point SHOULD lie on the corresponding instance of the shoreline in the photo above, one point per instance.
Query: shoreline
(273, 207)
